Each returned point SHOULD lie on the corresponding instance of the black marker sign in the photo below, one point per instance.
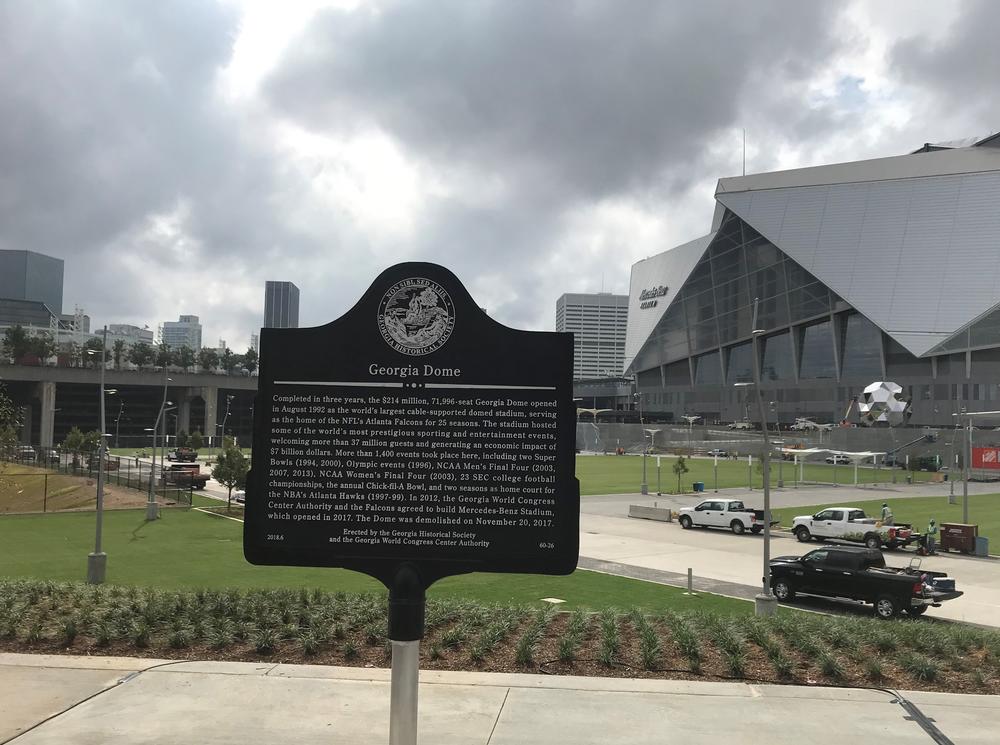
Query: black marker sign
(414, 431)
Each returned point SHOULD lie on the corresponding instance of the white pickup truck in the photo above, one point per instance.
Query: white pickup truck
(722, 513)
(851, 524)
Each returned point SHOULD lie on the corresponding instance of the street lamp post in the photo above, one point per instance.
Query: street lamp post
(97, 562)
(652, 442)
(781, 461)
(121, 408)
(163, 432)
(967, 453)
(152, 511)
(765, 604)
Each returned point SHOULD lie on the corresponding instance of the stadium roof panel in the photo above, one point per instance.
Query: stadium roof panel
(911, 241)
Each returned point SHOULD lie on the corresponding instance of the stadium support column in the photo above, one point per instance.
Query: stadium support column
(210, 394)
(184, 412)
(47, 398)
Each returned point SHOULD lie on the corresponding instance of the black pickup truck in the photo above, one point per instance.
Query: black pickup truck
(859, 573)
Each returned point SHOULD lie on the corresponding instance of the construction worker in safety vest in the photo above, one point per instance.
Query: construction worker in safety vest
(886, 514)
(931, 536)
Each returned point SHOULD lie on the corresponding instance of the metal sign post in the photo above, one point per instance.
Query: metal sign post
(431, 449)
(715, 468)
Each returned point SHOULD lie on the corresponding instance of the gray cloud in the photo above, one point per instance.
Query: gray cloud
(582, 99)
(564, 104)
(535, 116)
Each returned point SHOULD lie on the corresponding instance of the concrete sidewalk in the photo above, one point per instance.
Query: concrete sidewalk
(49, 700)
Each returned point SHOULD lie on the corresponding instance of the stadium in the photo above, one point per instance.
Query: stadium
(883, 269)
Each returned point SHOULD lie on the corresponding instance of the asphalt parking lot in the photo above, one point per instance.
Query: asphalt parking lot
(607, 534)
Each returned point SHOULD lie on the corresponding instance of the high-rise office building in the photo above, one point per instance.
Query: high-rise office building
(26, 275)
(184, 332)
(598, 322)
(281, 305)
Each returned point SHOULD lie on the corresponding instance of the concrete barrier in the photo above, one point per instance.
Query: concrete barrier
(643, 512)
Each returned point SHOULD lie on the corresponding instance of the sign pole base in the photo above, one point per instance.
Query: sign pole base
(407, 605)
(403, 693)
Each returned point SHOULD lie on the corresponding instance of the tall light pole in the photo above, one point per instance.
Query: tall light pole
(690, 420)
(229, 403)
(152, 511)
(765, 604)
(967, 453)
(97, 562)
(652, 442)
(781, 461)
(121, 408)
(163, 432)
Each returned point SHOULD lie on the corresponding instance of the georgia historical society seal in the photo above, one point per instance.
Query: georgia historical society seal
(416, 316)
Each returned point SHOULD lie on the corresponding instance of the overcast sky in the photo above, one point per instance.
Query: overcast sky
(178, 154)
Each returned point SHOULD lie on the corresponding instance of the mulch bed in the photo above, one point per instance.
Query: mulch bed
(350, 631)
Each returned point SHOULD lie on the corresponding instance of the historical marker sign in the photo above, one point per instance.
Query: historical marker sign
(414, 431)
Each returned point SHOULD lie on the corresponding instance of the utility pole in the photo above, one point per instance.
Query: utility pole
(97, 562)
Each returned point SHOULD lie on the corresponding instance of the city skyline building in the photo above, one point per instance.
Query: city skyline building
(281, 305)
(130, 334)
(184, 332)
(876, 270)
(33, 277)
(598, 322)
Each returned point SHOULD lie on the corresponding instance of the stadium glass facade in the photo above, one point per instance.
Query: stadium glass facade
(820, 349)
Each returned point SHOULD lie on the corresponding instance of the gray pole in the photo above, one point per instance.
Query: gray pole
(967, 461)
(152, 511)
(644, 487)
(403, 693)
(97, 562)
(765, 604)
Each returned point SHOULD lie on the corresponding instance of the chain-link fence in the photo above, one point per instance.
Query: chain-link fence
(49, 480)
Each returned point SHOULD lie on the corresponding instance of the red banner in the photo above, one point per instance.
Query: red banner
(986, 458)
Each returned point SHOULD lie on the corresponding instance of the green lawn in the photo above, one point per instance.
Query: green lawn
(189, 549)
(984, 511)
(622, 474)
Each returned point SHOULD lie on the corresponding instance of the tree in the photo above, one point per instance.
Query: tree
(16, 342)
(680, 467)
(141, 354)
(228, 360)
(185, 357)
(93, 344)
(72, 352)
(250, 360)
(80, 442)
(10, 425)
(231, 468)
(183, 439)
(208, 359)
(118, 351)
(42, 346)
(165, 355)
(196, 441)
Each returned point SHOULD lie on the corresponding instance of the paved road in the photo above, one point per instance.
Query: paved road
(606, 534)
(122, 701)
(616, 505)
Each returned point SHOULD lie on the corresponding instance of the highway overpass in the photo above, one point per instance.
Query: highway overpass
(55, 399)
